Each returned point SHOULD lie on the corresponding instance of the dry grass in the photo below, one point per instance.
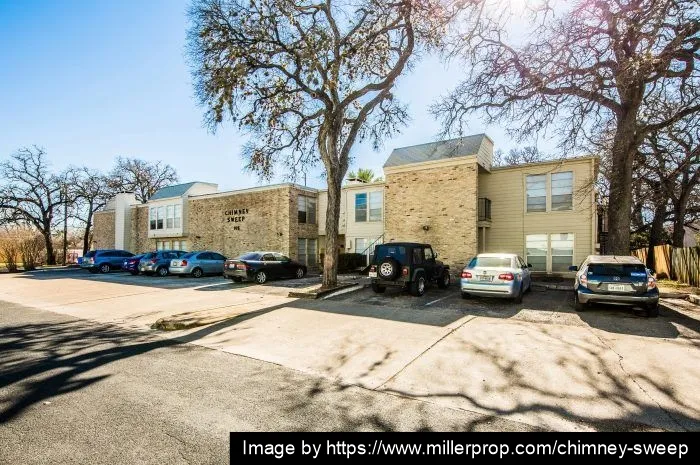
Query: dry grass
(669, 285)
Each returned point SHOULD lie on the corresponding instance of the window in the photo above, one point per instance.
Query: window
(399, 253)
(429, 255)
(360, 207)
(170, 216)
(562, 191)
(536, 193)
(490, 262)
(417, 256)
(375, 206)
(306, 251)
(536, 251)
(307, 209)
(360, 245)
(161, 218)
(217, 256)
(281, 258)
(562, 249)
(153, 217)
(178, 216)
(268, 257)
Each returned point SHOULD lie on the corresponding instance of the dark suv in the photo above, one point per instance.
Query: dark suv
(407, 265)
(104, 261)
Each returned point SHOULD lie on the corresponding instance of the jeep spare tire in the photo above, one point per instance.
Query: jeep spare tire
(388, 269)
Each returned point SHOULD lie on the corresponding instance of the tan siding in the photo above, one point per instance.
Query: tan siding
(485, 154)
(510, 222)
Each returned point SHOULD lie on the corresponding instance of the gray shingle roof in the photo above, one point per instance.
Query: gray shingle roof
(460, 147)
(177, 190)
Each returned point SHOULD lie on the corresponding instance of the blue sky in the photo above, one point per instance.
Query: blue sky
(89, 81)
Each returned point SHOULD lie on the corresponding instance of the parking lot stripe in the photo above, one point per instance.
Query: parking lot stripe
(438, 300)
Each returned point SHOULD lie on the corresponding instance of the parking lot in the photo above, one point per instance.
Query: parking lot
(538, 362)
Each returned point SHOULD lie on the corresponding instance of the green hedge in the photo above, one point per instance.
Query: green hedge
(351, 261)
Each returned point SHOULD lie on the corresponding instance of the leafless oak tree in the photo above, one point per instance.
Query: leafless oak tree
(31, 194)
(141, 177)
(308, 79)
(90, 190)
(582, 67)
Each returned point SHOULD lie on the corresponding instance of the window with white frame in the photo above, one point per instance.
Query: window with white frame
(360, 245)
(170, 216)
(550, 252)
(536, 251)
(368, 206)
(562, 191)
(562, 251)
(306, 210)
(165, 217)
(536, 193)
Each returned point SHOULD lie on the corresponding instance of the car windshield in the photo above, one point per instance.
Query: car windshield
(190, 255)
(149, 255)
(249, 256)
(491, 262)
(615, 269)
(90, 254)
(393, 251)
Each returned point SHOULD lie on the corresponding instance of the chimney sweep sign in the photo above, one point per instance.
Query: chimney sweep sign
(235, 216)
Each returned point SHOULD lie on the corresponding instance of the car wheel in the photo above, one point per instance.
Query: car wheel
(105, 268)
(134, 273)
(465, 295)
(653, 310)
(300, 273)
(197, 273)
(162, 271)
(418, 285)
(519, 298)
(444, 280)
(378, 289)
(578, 306)
(261, 277)
(388, 269)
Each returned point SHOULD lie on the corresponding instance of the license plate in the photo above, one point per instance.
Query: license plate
(174, 263)
(617, 287)
(485, 278)
(372, 274)
(231, 266)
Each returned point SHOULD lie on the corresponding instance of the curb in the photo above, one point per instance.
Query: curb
(694, 299)
(317, 294)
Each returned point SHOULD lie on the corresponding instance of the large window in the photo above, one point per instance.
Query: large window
(360, 245)
(306, 251)
(555, 250)
(537, 193)
(368, 206)
(307, 209)
(562, 248)
(166, 217)
(562, 190)
(536, 251)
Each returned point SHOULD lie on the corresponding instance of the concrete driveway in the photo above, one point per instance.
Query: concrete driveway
(538, 362)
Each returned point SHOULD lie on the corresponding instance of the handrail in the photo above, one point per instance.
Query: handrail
(364, 252)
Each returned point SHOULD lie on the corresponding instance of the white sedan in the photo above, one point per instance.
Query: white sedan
(496, 275)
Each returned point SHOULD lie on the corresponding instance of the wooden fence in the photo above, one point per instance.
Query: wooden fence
(681, 264)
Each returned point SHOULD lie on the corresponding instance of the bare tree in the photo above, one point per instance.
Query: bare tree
(518, 156)
(582, 67)
(141, 177)
(31, 194)
(308, 79)
(90, 191)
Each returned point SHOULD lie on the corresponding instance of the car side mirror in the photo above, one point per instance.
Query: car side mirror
(573, 268)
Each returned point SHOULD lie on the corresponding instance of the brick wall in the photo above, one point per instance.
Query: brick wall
(103, 230)
(138, 237)
(442, 198)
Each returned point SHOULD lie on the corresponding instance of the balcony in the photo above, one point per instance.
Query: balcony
(484, 211)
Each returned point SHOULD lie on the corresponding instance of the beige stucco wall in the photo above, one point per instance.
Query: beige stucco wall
(443, 198)
(103, 230)
(510, 221)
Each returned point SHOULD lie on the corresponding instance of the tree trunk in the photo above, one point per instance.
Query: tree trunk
(620, 198)
(679, 223)
(48, 240)
(86, 235)
(656, 232)
(330, 260)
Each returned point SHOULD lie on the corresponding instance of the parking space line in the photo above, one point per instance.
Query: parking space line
(438, 300)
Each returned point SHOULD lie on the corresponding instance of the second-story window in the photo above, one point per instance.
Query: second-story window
(562, 190)
(368, 207)
(165, 217)
(536, 193)
(306, 210)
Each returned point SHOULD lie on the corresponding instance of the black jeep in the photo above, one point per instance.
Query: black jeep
(407, 265)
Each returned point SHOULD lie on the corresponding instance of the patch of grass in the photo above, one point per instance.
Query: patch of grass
(676, 286)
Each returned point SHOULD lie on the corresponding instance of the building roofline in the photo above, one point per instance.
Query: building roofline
(547, 162)
(358, 186)
(444, 141)
(255, 189)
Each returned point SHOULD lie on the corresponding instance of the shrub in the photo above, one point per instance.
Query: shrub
(32, 250)
(9, 252)
(351, 261)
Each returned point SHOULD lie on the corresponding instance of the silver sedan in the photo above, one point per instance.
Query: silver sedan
(496, 275)
(197, 264)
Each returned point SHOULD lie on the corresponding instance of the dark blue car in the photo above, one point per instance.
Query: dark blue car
(132, 264)
(104, 261)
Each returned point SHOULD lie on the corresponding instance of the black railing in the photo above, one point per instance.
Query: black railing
(484, 209)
